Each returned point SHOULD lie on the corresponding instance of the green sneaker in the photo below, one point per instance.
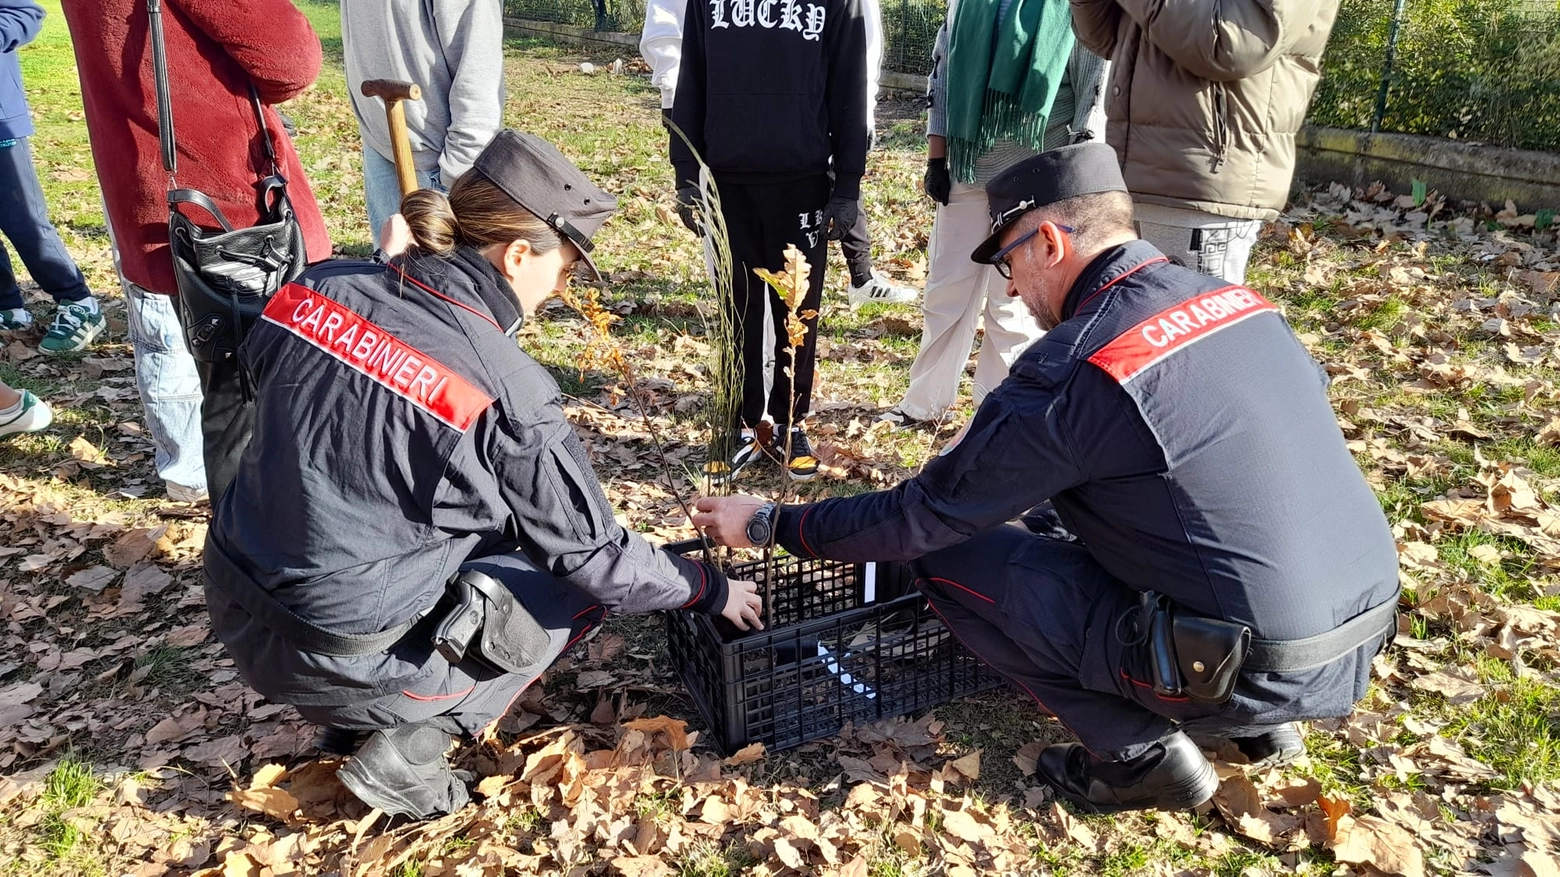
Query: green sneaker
(15, 320)
(29, 415)
(73, 329)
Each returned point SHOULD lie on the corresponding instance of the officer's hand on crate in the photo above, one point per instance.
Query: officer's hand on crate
(725, 518)
(744, 607)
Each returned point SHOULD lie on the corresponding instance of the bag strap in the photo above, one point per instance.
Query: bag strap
(265, 134)
(170, 154)
(203, 201)
(165, 135)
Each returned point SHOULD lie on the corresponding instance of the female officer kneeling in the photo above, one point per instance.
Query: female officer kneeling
(415, 533)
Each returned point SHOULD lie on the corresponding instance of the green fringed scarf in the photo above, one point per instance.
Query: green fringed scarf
(1002, 88)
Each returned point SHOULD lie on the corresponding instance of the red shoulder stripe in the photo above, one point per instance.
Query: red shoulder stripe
(1176, 328)
(372, 351)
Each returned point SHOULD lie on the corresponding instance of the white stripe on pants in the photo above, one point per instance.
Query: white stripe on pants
(958, 293)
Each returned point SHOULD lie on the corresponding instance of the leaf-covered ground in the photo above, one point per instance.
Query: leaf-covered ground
(128, 745)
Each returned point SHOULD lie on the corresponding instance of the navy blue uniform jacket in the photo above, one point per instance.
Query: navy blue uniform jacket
(401, 431)
(1182, 433)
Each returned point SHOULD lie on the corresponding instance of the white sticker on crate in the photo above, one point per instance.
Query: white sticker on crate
(845, 678)
(869, 588)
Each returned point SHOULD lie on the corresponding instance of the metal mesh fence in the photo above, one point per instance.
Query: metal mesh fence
(603, 15)
(909, 26)
(1479, 70)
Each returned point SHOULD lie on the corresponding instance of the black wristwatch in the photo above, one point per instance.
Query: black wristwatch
(761, 526)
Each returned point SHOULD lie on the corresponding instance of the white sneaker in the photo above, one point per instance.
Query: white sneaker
(31, 414)
(879, 291)
(897, 418)
(179, 493)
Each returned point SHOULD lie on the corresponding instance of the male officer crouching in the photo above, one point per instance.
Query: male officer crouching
(1201, 557)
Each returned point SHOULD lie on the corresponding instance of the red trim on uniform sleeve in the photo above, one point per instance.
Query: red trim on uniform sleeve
(802, 536)
(704, 580)
(376, 353)
(1177, 327)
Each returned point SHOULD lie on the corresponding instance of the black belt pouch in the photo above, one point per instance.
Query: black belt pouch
(1209, 653)
(489, 624)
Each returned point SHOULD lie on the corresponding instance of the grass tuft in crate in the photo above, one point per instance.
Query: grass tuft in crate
(849, 642)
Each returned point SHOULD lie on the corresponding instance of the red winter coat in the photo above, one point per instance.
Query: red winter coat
(215, 49)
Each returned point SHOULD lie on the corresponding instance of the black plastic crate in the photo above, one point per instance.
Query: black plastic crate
(850, 642)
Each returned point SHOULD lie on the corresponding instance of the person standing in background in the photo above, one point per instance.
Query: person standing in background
(453, 50)
(216, 49)
(660, 44)
(1051, 97)
(24, 217)
(1205, 103)
(772, 97)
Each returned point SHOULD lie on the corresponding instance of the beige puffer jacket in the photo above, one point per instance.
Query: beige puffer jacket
(1206, 96)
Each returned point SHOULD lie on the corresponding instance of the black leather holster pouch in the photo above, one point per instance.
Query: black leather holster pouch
(1190, 655)
(488, 624)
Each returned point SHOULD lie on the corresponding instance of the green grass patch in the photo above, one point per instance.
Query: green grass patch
(709, 859)
(72, 784)
(1509, 577)
(168, 668)
(1515, 729)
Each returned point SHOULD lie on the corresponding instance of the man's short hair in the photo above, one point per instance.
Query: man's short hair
(1093, 218)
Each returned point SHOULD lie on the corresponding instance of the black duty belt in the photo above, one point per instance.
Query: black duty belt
(1293, 655)
(225, 575)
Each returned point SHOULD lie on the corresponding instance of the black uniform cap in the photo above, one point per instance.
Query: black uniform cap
(1052, 176)
(537, 176)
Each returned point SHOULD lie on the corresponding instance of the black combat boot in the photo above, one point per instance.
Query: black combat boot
(1171, 775)
(403, 772)
(1274, 746)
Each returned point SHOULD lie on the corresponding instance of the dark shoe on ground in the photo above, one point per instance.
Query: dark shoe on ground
(1172, 775)
(800, 463)
(404, 772)
(746, 451)
(339, 741)
(1271, 747)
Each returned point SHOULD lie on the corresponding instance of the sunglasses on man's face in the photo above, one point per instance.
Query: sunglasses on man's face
(1002, 258)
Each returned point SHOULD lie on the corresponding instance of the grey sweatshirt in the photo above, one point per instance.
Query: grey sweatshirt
(1077, 114)
(454, 50)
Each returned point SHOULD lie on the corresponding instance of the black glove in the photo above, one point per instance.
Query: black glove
(687, 208)
(937, 183)
(839, 216)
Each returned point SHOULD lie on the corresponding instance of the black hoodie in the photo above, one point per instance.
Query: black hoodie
(771, 90)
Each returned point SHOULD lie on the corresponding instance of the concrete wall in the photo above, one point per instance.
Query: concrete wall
(1463, 171)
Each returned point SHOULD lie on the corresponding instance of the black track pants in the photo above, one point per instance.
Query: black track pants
(761, 220)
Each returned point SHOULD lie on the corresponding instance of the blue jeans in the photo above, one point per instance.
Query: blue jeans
(170, 387)
(24, 218)
(382, 190)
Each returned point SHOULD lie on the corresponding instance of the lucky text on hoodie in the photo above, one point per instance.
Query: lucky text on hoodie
(805, 19)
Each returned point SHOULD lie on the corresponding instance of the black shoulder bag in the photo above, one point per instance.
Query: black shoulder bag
(225, 277)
